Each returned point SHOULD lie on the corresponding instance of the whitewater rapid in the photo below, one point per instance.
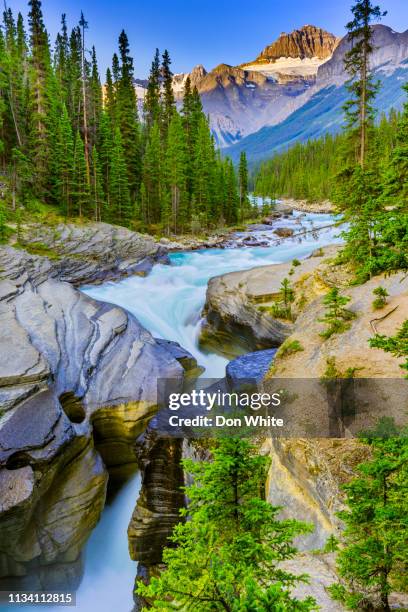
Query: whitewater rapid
(169, 302)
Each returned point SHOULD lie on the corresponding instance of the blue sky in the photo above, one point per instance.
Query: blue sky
(200, 31)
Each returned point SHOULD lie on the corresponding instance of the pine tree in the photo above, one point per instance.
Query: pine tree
(95, 95)
(61, 60)
(359, 109)
(110, 101)
(244, 205)
(227, 554)
(168, 101)
(153, 176)
(42, 100)
(105, 146)
(127, 117)
(120, 208)
(80, 185)
(152, 98)
(374, 554)
(64, 154)
(175, 174)
(97, 193)
(75, 79)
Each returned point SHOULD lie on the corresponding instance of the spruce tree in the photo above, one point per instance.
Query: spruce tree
(42, 109)
(105, 146)
(227, 554)
(61, 60)
(96, 103)
(84, 26)
(203, 170)
(75, 79)
(97, 193)
(168, 101)
(127, 117)
(152, 98)
(110, 98)
(120, 208)
(175, 174)
(153, 176)
(80, 186)
(359, 109)
(64, 154)
(374, 555)
(244, 205)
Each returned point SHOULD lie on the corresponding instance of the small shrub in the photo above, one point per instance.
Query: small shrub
(331, 545)
(289, 347)
(381, 298)
(331, 370)
(295, 263)
(336, 315)
(396, 345)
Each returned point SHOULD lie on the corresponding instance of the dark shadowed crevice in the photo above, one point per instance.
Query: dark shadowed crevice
(72, 406)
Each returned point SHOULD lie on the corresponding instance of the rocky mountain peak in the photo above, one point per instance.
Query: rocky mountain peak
(307, 42)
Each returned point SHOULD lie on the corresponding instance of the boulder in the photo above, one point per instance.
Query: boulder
(250, 368)
(237, 305)
(284, 232)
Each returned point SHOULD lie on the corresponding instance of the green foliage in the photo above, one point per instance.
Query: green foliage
(66, 143)
(331, 545)
(289, 347)
(227, 554)
(305, 171)
(3, 225)
(336, 315)
(396, 345)
(381, 297)
(296, 263)
(374, 556)
(282, 309)
(359, 108)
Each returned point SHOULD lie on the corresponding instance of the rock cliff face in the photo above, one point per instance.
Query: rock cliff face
(306, 474)
(157, 509)
(78, 384)
(307, 42)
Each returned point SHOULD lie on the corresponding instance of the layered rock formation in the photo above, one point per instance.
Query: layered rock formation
(306, 474)
(92, 252)
(307, 42)
(78, 384)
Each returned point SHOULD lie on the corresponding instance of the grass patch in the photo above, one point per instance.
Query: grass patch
(39, 248)
(289, 347)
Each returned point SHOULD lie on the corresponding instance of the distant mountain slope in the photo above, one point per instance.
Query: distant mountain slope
(293, 90)
(319, 109)
(321, 114)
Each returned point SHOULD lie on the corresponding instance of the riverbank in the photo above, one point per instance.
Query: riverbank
(325, 207)
(79, 343)
(77, 386)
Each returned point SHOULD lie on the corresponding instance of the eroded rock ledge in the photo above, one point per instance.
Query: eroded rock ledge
(77, 383)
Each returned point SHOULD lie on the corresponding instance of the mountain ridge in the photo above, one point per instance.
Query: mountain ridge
(248, 103)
